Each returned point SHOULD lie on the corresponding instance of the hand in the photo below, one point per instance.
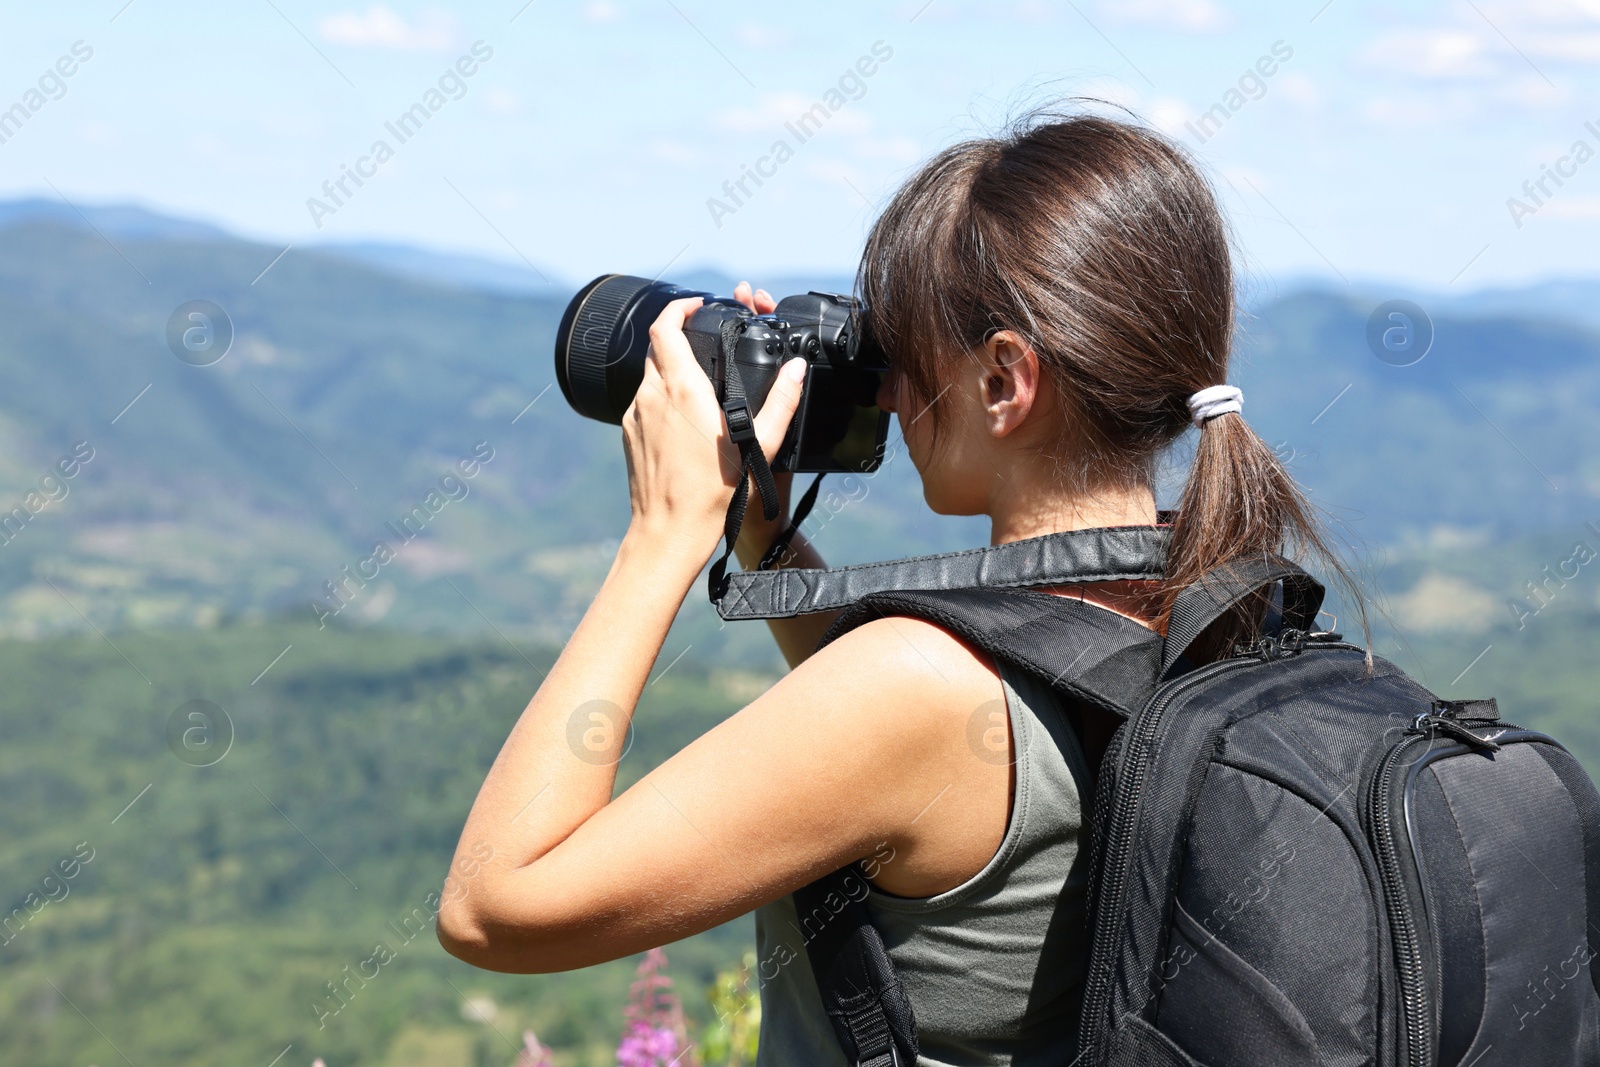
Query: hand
(682, 467)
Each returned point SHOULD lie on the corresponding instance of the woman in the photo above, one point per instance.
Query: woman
(1051, 302)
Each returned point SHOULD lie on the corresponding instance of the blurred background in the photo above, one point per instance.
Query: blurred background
(379, 211)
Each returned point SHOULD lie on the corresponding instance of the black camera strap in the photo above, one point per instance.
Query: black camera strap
(1071, 557)
(780, 548)
(752, 461)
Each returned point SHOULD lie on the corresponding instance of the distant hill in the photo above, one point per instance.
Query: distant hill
(359, 376)
(114, 220)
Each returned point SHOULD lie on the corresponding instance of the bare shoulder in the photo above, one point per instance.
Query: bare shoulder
(888, 702)
(900, 669)
(882, 719)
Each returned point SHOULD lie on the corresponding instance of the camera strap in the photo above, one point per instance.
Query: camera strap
(752, 461)
(1104, 554)
(780, 548)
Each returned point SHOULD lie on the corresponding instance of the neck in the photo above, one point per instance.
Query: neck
(1019, 511)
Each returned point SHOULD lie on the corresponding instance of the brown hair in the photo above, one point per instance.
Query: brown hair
(1099, 243)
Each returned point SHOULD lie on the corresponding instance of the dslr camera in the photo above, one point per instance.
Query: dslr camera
(603, 340)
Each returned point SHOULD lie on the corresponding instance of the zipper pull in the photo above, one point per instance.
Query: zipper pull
(1481, 709)
(1427, 722)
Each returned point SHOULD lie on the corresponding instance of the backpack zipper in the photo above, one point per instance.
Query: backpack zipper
(1122, 813)
(1416, 1015)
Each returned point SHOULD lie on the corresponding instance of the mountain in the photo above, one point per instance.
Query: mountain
(114, 220)
(447, 269)
(1477, 435)
(245, 487)
(426, 265)
(352, 390)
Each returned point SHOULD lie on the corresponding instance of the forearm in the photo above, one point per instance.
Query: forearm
(797, 637)
(558, 766)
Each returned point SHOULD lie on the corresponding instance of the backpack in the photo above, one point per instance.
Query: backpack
(1299, 855)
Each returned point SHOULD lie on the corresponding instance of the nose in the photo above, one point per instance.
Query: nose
(888, 391)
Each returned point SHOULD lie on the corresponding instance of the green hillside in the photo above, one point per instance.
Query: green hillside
(213, 910)
(220, 900)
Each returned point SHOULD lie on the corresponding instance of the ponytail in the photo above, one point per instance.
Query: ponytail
(1241, 503)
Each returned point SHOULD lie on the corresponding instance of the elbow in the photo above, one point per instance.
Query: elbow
(489, 942)
(461, 935)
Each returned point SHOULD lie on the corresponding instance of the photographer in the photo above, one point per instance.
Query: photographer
(1056, 305)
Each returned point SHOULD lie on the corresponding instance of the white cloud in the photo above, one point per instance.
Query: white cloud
(1568, 47)
(1533, 91)
(602, 11)
(1579, 208)
(1545, 12)
(502, 101)
(1190, 16)
(772, 110)
(1410, 110)
(762, 38)
(1034, 11)
(844, 175)
(1496, 40)
(100, 133)
(380, 27)
(673, 151)
(893, 149)
(1435, 54)
(1299, 89)
(1169, 114)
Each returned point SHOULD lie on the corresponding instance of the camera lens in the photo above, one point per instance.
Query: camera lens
(603, 339)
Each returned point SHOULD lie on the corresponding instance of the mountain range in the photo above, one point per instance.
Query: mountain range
(359, 377)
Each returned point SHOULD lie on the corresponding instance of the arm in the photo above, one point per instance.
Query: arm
(861, 751)
(802, 782)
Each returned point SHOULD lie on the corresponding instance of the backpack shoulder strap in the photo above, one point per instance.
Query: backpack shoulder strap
(1083, 650)
(1079, 649)
(863, 997)
(1086, 651)
(1207, 600)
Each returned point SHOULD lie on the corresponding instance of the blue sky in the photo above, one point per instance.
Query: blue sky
(1385, 147)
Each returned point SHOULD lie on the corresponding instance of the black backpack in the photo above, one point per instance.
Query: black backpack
(1300, 856)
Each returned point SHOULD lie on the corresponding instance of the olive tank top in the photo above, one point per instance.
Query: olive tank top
(994, 967)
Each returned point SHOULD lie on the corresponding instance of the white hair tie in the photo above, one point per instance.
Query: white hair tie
(1214, 400)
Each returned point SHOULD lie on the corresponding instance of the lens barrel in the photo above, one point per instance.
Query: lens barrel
(603, 340)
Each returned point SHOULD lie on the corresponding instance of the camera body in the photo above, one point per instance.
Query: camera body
(603, 340)
(838, 412)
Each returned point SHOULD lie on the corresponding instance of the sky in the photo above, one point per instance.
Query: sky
(1349, 140)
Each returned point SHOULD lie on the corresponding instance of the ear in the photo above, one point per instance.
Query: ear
(1011, 380)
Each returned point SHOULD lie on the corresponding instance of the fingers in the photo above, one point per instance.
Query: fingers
(670, 353)
(772, 421)
(760, 301)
